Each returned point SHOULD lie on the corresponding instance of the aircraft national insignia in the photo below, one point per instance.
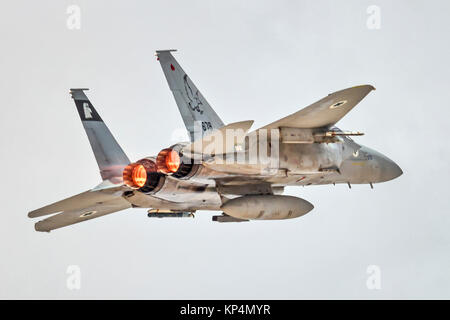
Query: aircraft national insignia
(338, 104)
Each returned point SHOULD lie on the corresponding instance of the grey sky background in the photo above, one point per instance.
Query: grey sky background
(258, 60)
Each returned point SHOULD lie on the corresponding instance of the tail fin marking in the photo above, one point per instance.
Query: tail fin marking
(191, 103)
(111, 159)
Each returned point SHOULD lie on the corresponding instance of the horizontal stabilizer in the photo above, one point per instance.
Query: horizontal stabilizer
(79, 215)
(325, 112)
(79, 201)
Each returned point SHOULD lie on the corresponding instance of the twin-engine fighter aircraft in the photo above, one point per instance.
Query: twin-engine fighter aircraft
(223, 168)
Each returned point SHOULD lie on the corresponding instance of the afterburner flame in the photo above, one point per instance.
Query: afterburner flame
(135, 175)
(139, 175)
(168, 161)
(173, 161)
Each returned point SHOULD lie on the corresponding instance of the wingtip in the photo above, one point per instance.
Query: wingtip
(38, 226)
(371, 87)
(44, 211)
(35, 213)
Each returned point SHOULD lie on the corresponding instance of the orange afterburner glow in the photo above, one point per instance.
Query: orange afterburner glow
(172, 161)
(135, 175)
(168, 161)
(139, 175)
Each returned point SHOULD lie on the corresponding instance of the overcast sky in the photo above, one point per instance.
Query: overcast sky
(258, 60)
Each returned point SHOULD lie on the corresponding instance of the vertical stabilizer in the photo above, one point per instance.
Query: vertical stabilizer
(109, 155)
(194, 108)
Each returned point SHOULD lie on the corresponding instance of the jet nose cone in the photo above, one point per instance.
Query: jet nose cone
(394, 171)
(383, 168)
(389, 169)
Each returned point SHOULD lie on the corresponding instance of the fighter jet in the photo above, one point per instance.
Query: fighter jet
(226, 168)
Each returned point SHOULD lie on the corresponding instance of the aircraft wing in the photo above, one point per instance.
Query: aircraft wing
(92, 211)
(325, 112)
